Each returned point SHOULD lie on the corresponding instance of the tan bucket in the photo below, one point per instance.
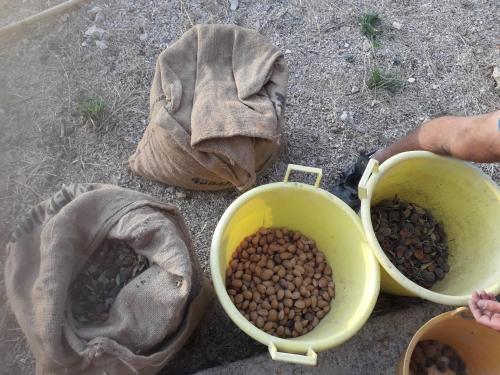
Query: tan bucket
(479, 346)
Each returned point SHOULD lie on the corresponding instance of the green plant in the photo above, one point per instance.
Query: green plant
(90, 106)
(367, 23)
(381, 80)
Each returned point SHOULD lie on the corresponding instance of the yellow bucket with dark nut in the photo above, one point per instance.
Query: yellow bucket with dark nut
(457, 194)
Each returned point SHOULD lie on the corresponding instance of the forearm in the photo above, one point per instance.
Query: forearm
(474, 138)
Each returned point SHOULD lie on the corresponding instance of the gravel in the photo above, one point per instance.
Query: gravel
(44, 143)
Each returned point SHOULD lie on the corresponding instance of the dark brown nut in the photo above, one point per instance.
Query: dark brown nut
(328, 270)
(266, 305)
(281, 315)
(322, 303)
(323, 282)
(268, 326)
(298, 327)
(274, 303)
(314, 301)
(270, 291)
(280, 331)
(280, 294)
(256, 296)
(237, 284)
(253, 316)
(263, 312)
(273, 315)
(298, 281)
(266, 274)
(282, 272)
(300, 304)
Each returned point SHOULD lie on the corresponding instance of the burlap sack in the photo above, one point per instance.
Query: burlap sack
(216, 110)
(151, 317)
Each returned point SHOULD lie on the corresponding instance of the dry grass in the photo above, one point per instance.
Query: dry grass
(43, 144)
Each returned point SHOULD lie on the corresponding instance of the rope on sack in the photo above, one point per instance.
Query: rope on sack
(55, 10)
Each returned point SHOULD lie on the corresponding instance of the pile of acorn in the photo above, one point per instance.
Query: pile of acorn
(412, 239)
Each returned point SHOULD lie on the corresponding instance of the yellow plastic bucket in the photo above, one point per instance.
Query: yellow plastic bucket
(456, 193)
(337, 231)
(478, 346)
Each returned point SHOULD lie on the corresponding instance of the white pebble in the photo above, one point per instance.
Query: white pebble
(397, 25)
(411, 79)
(95, 31)
(101, 44)
(234, 4)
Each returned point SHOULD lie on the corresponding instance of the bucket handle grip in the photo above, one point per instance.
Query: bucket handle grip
(301, 168)
(371, 168)
(310, 359)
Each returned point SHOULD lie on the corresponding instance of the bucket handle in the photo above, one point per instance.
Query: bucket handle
(371, 168)
(301, 168)
(310, 359)
(463, 312)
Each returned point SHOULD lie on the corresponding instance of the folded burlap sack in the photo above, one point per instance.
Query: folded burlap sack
(151, 317)
(216, 110)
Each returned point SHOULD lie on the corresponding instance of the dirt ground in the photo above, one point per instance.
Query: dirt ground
(447, 47)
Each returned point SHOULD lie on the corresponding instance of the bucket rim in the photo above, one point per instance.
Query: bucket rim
(371, 290)
(379, 252)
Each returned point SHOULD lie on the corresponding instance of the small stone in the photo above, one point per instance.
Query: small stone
(346, 116)
(180, 194)
(366, 45)
(101, 44)
(99, 18)
(234, 4)
(346, 45)
(354, 89)
(435, 87)
(143, 36)
(288, 52)
(397, 25)
(411, 79)
(95, 32)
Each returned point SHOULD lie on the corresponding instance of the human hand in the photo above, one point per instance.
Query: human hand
(486, 309)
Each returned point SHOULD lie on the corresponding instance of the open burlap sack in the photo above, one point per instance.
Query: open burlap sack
(151, 317)
(216, 110)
